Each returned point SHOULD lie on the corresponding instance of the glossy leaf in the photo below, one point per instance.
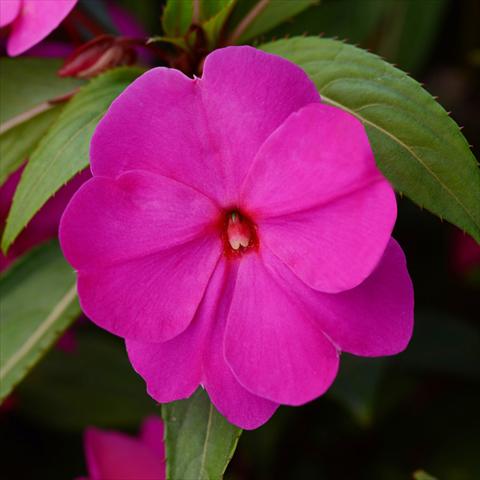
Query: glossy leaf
(419, 148)
(178, 19)
(27, 85)
(179, 15)
(214, 26)
(346, 19)
(199, 441)
(38, 303)
(251, 18)
(93, 384)
(17, 143)
(64, 151)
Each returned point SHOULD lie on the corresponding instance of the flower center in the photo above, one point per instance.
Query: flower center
(239, 233)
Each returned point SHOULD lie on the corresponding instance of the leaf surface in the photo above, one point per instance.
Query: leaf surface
(199, 441)
(64, 151)
(39, 301)
(28, 83)
(418, 147)
(17, 143)
(93, 384)
(251, 18)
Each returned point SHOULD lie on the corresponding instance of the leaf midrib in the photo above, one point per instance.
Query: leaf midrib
(205, 444)
(408, 149)
(58, 309)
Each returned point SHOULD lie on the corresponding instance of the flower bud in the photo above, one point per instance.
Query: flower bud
(97, 55)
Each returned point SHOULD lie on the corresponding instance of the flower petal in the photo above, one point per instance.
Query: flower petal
(115, 220)
(112, 455)
(173, 370)
(248, 94)
(239, 406)
(322, 205)
(231, 399)
(273, 344)
(375, 318)
(36, 20)
(167, 135)
(202, 132)
(153, 298)
(8, 11)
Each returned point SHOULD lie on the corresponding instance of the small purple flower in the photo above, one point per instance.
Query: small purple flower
(31, 21)
(115, 456)
(237, 233)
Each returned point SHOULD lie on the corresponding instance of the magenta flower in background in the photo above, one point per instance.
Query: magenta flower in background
(115, 456)
(237, 233)
(44, 224)
(31, 21)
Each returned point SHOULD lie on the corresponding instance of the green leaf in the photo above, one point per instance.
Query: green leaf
(418, 147)
(38, 303)
(179, 15)
(17, 143)
(348, 19)
(251, 18)
(64, 151)
(179, 42)
(199, 441)
(92, 385)
(27, 85)
(214, 26)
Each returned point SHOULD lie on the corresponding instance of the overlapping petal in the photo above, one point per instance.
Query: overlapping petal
(375, 318)
(116, 220)
(34, 21)
(152, 298)
(202, 132)
(256, 327)
(233, 401)
(247, 94)
(321, 203)
(145, 234)
(274, 345)
(174, 369)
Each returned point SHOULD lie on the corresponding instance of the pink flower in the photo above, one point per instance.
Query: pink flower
(44, 224)
(237, 233)
(31, 21)
(116, 456)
